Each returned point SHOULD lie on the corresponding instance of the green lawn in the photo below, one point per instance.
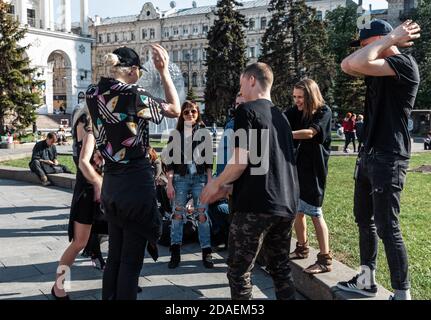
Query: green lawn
(338, 208)
(23, 163)
(415, 221)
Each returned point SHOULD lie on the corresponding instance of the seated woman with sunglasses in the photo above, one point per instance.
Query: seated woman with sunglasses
(191, 178)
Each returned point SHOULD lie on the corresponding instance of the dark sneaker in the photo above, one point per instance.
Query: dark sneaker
(355, 286)
(207, 258)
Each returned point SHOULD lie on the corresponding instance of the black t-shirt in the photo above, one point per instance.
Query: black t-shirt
(312, 154)
(42, 151)
(276, 190)
(388, 105)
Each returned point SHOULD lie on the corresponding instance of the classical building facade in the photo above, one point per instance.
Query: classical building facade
(183, 32)
(398, 10)
(60, 51)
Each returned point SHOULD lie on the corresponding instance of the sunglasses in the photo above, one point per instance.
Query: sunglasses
(187, 112)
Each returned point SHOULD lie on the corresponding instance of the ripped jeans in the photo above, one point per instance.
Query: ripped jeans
(380, 179)
(184, 185)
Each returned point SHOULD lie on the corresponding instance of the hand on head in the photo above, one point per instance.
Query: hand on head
(404, 35)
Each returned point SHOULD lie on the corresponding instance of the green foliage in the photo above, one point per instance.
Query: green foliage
(295, 45)
(348, 91)
(19, 95)
(226, 59)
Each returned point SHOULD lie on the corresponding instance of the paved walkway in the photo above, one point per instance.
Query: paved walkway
(33, 235)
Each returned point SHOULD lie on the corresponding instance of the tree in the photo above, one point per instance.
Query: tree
(226, 59)
(422, 52)
(295, 45)
(348, 91)
(191, 95)
(19, 96)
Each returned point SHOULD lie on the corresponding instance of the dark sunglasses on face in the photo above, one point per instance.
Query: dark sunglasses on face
(187, 112)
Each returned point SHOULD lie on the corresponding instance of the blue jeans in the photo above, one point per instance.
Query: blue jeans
(183, 186)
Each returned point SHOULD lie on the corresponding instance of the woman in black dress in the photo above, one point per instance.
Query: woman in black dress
(86, 197)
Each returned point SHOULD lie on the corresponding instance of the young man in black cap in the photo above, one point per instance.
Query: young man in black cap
(392, 80)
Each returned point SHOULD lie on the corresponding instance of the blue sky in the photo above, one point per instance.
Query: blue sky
(114, 8)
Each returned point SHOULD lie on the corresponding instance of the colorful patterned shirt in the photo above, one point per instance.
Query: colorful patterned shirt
(120, 114)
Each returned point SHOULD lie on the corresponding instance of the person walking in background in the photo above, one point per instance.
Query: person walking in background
(311, 124)
(120, 112)
(392, 79)
(184, 178)
(360, 131)
(349, 131)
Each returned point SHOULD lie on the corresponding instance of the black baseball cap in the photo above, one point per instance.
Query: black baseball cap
(128, 58)
(377, 28)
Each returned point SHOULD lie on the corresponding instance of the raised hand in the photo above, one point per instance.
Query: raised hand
(160, 57)
(404, 35)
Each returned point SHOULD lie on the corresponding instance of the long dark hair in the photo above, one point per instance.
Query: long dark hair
(189, 105)
(313, 99)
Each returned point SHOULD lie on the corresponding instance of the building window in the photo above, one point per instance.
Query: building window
(204, 80)
(195, 55)
(144, 34)
(152, 33)
(108, 37)
(100, 38)
(125, 37)
(186, 55)
(263, 23)
(252, 52)
(132, 36)
(31, 18)
(11, 9)
(185, 30)
(195, 79)
(167, 33)
(409, 5)
(204, 54)
(251, 24)
(176, 31)
(204, 29)
(115, 37)
(175, 56)
(195, 29)
(319, 15)
(186, 79)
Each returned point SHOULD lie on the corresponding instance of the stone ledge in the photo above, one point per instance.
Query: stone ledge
(323, 286)
(62, 180)
(319, 287)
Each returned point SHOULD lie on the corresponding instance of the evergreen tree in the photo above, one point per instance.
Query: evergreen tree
(295, 45)
(422, 52)
(348, 91)
(191, 95)
(226, 59)
(19, 96)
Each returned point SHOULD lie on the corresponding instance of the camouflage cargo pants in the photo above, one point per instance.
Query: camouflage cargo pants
(249, 233)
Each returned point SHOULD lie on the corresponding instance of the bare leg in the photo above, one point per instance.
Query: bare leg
(80, 239)
(301, 228)
(322, 234)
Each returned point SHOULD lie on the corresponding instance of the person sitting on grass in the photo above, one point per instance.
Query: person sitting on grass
(44, 159)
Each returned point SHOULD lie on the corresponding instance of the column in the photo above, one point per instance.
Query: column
(84, 17)
(46, 15)
(22, 11)
(51, 20)
(67, 16)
